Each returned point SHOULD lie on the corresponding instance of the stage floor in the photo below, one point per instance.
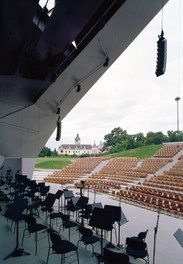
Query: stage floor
(167, 250)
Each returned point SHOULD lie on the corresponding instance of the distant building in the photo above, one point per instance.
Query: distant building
(78, 149)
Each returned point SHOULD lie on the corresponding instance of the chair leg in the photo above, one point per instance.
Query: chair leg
(77, 256)
(36, 243)
(92, 249)
(62, 258)
(23, 237)
(48, 255)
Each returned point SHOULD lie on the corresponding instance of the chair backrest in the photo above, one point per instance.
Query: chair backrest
(136, 243)
(16, 209)
(112, 256)
(65, 217)
(44, 190)
(55, 237)
(85, 231)
(30, 220)
(142, 235)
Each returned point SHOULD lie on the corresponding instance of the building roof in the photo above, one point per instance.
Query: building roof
(74, 146)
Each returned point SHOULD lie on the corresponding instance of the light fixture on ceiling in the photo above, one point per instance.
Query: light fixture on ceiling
(106, 63)
(78, 89)
(58, 111)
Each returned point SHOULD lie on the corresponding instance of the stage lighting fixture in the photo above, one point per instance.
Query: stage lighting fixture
(58, 111)
(106, 63)
(78, 89)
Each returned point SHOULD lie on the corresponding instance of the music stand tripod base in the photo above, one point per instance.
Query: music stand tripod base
(17, 253)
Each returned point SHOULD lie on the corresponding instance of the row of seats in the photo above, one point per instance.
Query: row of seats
(152, 202)
(155, 192)
(169, 150)
(121, 164)
(151, 165)
(88, 162)
(164, 181)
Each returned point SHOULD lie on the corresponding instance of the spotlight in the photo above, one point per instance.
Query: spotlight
(58, 111)
(78, 89)
(106, 63)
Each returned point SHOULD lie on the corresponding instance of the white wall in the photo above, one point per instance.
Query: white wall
(28, 166)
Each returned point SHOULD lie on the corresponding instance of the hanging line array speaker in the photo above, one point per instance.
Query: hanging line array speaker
(58, 133)
(161, 55)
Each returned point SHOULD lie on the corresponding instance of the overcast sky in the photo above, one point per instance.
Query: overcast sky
(129, 95)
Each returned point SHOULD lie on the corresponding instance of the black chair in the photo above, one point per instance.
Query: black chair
(137, 248)
(62, 247)
(87, 237)
(33, 227)
(33, 208)
(115, 256)
(56, 215)
(67, 223)
(44, 190)
(15, 213)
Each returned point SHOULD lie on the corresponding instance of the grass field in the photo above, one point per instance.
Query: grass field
(53, 162)
(141, 152)
(61, 162)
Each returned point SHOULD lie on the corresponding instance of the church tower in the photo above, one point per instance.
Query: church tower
(77, 140)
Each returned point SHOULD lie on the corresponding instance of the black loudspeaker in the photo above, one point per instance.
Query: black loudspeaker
(58, 135)
(161, 55)
(101, 218)
(116, 211)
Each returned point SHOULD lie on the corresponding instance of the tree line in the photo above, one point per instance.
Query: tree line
(119, 140)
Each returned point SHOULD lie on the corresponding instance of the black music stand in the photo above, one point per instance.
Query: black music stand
(102, 219)
(116, 211)
(14, 213)
(96, 205)
(81, 204)
(179, 236)
(118, 216)
(67, 195)
(58, 196)
(123, 220)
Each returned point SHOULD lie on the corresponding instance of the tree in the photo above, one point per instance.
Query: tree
(45, 152)
(174, 136)
(155, 138)
(54, 152)
(118, 147)
(139, 139)
(117, 135)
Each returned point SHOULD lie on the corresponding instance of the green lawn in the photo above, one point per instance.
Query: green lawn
(61, 162)
(52, 162)
(141, 152)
